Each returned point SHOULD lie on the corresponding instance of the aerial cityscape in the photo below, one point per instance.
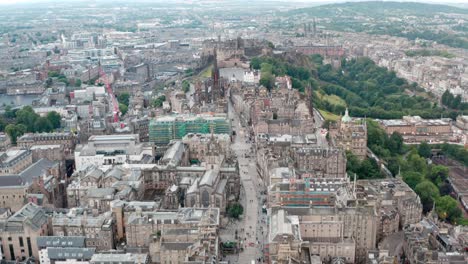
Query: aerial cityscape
(233, 131)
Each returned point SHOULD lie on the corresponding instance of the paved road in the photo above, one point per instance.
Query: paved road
(254, 222)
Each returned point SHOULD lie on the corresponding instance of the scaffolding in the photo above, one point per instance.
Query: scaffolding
(162, 131)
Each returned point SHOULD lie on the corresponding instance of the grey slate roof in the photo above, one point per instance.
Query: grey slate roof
(30, 215)
(37, 169)
(61, 241)
(70, 253)
(25, 177)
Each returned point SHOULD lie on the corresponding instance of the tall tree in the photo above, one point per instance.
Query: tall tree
(42, 124)
(424, 150)
(54, 119)
(412, 178)
(428, 193)
(447, 209)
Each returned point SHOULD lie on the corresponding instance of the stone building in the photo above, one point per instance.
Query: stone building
(335, 231)
(140, 126)
(5, 142)
(142, 225)
(462, 122)
(198, 144)
(19, 233)
(40, 183)
(320, 162)
(417, 129)
(189, 234)
(58, 249)
(284, 242)
(99, 230)
(95, 188)
(14, 161)
(67, 140)
(50, 152)
(392, 195)
(350, 134)
(281, 112)
(122, 210)
(303, 192)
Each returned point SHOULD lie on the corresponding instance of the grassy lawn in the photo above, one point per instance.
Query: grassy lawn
(207, 72)
(329, 116)
(332, 99)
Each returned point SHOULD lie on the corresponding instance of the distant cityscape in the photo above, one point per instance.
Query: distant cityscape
(196, 132)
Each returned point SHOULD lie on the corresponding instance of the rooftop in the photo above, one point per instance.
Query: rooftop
(60, 241)
(119, 258)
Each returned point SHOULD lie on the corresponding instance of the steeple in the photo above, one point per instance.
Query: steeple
(346, 118)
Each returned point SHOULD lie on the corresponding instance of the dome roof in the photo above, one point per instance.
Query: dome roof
(346, 118)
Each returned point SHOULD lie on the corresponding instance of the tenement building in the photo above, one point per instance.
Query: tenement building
(332, 233)
(98, 229)
(14, 161)
(19, 232)
(350, 134)
(31, 139)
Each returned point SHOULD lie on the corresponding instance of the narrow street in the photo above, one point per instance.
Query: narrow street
(253, 229)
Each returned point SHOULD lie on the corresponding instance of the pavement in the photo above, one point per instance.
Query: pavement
(252, 229)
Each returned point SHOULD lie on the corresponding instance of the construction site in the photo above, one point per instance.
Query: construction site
(164, 129)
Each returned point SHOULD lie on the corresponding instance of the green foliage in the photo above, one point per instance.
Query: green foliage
(185, 86)
(124, 98)
(428, 193)
(123, 108)
(447, 209)
(78, 83)
(158, 102)
(54, 119)
(9, 112)
(229, 244)
(428, 181)
(317, 59)
(255, 63)
(188, 72)
(382, 145)
(366, 169)
(372, 91)
(273, 66)
(456, 152)
(412, 178)
(63, 79)
(53, 74)
(424, 150)
(267, 80)
(15, 131)
(235, 210)
(27, 117)
(453, 102)
(42, 124)
(271, 45)
(438, 174)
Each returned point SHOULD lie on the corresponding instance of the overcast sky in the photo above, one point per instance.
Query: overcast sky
(304, 1)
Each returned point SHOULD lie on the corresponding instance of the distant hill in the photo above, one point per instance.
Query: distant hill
(377, 8)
